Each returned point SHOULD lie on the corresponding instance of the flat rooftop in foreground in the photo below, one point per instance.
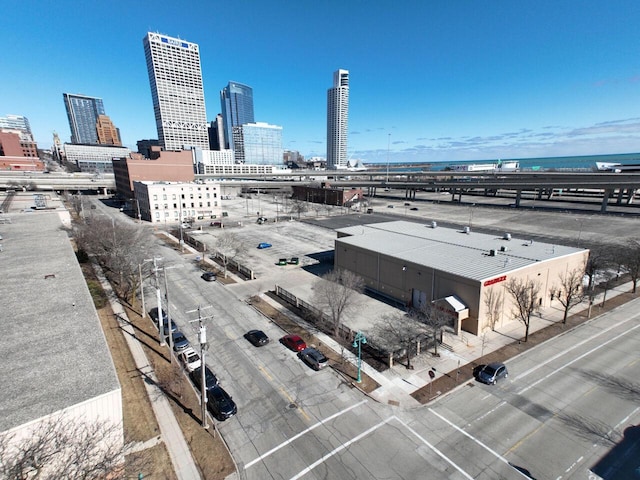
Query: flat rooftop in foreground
(452, 250)
(52, 348)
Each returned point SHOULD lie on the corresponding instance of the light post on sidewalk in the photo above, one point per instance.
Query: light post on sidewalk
(357, 342)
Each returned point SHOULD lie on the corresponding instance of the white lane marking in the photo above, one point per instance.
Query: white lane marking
(489, 412)
(555, 357)
(578, 358)
(626, 419)
(340, 448)
(438, 452)
(295, 437)
(486, 447)
(572, 466)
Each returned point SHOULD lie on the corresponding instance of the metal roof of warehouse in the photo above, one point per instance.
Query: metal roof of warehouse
(464, 254)
(54, 353)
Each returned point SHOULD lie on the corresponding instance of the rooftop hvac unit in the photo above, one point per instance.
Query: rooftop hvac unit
(434, 224)
(492, 253)
(507, 236)
(467, 230)
(503, 248)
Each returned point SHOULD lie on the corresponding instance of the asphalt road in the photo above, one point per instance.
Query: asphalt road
(570, 408)
(560, 414)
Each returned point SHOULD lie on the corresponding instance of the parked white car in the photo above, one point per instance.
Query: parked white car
(190, 359)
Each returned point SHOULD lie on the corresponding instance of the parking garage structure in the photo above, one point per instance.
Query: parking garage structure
(456, 269)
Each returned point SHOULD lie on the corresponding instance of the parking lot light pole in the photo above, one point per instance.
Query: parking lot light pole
(357, 342)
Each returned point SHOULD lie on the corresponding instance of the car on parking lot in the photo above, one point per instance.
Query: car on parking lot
(414, 208)
(180, 342)
(261, 220)
(294, 261)
(216, 224)
(220, 403)
(314, 358)
(282, 261)
(389, 206)
(293, 342)
(209, 276)
(263, 245)
(257, 337)
(210, 380)
(190, 359)
(185, 225)
(490, 374)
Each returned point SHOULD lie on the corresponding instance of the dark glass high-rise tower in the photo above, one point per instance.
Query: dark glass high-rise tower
(236, 101)
(83, 112)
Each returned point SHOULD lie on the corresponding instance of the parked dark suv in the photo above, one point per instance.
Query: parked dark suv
(220, 403)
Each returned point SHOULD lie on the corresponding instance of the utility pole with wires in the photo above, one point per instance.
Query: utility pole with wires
(156, 269)
(166, 296)
(202, 339)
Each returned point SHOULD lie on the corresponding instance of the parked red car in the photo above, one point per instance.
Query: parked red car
(293, 342)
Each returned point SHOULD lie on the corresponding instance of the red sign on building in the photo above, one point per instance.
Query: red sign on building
(495, 280)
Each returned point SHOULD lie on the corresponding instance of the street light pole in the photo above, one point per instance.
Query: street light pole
(144, 311)
(159, 300)
(166, 294)
(357, 342)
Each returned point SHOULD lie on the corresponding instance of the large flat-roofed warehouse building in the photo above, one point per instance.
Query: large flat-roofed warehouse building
(56, 364)
(415, 263)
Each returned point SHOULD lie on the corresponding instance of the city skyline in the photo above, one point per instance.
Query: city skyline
(428, 82)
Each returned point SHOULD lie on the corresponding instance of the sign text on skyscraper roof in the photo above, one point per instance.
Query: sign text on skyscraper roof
(173, 41)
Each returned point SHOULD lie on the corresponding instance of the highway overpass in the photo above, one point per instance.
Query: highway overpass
(619, 188)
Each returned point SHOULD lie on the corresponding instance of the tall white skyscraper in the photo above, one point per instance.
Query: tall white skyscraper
(175, 76)
(338, 120)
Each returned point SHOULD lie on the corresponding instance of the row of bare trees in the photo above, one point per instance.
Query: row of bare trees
(120, 248)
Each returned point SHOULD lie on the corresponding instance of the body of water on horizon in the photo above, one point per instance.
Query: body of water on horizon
(577, 163)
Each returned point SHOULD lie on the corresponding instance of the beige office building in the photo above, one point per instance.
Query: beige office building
(414, 263)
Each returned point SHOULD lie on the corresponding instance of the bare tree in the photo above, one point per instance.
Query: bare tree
(120, 248)
(525, 294)
(435, 319)
(493, 300)
(598, 261)
(335, 292)
(630, 260)
(298, 207)
(230, 246)
(399, 333)
(63, 447)
(76, 203)
(570, 290)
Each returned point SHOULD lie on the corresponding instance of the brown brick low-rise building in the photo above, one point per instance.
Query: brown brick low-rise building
(162, 166)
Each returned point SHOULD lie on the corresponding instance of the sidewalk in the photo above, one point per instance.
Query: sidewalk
(171, 434)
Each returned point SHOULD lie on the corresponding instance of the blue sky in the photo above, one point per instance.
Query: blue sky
(430, 80)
